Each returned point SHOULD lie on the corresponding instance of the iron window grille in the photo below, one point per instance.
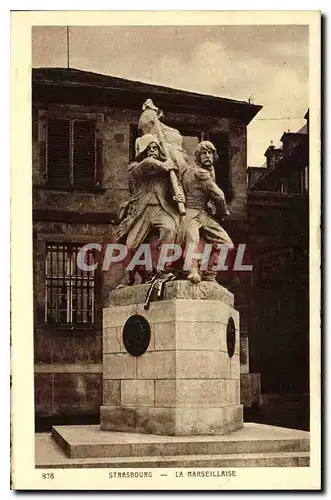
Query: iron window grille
(69, 291)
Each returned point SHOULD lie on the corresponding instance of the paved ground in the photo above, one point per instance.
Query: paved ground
(251, 431)
(49, 453)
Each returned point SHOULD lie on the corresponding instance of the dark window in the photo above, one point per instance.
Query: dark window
(191, 139)
(58, 152)
(69, 291)
(304, 180)
(134, 134)
(222, 166)
(190, 142)
(283, 187)
(71, 153)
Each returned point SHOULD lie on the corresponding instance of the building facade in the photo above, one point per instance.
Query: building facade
(278, 219)
(84, 129)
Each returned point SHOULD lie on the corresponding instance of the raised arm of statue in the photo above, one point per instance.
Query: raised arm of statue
(146, 167)
(217, 196)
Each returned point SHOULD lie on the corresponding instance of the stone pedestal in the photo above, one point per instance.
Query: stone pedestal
(188, 380)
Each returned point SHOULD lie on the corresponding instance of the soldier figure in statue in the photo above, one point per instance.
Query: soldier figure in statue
(205, 208)
(152, 205)
(155, 191)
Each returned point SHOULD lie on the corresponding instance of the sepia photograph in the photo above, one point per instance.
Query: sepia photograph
(173, 209)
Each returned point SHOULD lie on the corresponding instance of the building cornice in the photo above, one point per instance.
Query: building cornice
(72, 86)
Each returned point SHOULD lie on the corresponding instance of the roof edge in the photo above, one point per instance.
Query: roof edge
(72, 76)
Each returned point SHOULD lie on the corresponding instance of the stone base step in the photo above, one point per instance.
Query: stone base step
(283, 459)
(91, 442)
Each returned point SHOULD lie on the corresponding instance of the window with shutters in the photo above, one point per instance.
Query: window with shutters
(72, 151)
(69, 291)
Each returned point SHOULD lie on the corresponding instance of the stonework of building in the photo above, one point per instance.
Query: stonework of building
(84, 129)
(253, 174)
(278, 219)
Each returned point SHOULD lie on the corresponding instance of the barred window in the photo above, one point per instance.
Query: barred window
(69, 291)
(71, 153)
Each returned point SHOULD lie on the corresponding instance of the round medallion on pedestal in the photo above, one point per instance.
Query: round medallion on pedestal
(230, 337)
(136, 335)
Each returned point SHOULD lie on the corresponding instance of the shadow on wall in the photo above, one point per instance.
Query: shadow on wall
(282, 410)
(291, 411)
(44, 424)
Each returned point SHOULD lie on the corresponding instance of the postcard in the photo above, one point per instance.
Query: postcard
(166, 250)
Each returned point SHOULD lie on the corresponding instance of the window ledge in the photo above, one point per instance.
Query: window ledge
(78, 330)
(88, 190)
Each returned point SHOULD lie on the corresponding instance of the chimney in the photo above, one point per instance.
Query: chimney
(272, 155)
(307, 118)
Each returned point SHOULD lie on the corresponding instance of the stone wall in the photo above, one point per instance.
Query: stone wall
(279, 300)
